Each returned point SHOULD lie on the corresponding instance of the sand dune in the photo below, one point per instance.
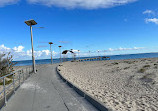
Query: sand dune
(122, 85)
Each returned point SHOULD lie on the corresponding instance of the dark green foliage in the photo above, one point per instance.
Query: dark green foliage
(6, 82)
(115, 63)
(126, 68)
(146, 66)
(141, 70)
(6, 64)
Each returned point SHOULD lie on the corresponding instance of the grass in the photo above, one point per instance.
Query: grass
(115, 63)
(146, 66)
(142, 70)
(126, 68)
(129, 62)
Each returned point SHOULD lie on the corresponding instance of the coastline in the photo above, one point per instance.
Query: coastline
(122, 85)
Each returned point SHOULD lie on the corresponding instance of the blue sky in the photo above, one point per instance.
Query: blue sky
(118, 27)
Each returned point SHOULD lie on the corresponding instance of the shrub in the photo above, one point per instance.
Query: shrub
(115, 63)
(6, 82)
(146, 66)
(6, 64)
(126, 68)
(141, 70)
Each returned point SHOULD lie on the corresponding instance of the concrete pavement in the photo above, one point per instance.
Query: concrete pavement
(45, 91)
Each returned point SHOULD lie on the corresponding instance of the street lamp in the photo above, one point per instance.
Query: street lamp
(71, 50)
(104, 52)
(79, 54)
(51, 51)
(89, 54)
(30, 23)
(98, 53)
(60, 52)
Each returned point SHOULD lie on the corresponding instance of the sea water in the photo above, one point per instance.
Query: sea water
(112, 57)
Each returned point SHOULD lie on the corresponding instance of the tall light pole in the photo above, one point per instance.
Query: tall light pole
(79, 54)
(51, 51)
(89, 54)
(30, 23)
(71, 53)
(60, 52)
(98, 53)
(104, 52)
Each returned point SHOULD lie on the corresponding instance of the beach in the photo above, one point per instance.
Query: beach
(121, 85)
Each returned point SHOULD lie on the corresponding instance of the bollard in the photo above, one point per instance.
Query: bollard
(5, 98)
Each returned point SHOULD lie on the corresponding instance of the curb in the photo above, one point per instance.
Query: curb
(88, 97)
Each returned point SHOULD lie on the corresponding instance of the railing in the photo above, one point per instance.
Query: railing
(16, 79)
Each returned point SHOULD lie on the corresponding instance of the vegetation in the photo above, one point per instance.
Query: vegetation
(126, 68)
(115, 63)
(146, 66)
(6, 64)
(142, 70)
(6, 82)
(129, 62)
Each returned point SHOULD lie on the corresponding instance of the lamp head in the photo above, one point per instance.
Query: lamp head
(30, 22)
(50, 43)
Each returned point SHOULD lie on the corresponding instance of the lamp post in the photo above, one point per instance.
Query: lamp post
(71, 53)
(60, 52)
(104, 52)
(51, 51)
(98, 53)
(30, 23)
(79, 54)
(89, 54)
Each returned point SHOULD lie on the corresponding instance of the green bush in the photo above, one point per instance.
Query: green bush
(6, 64)
(146, 66)
(6, 82)
(141, 70)
(115, 63)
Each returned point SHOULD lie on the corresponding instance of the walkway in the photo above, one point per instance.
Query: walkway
(45, 91)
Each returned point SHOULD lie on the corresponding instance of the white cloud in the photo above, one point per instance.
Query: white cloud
(4, 49)
(123, 49)
(88, 4)
(19, 54)
(153, 20)
(18, 49)
(74, 50)
(7, 2)
(148, 12)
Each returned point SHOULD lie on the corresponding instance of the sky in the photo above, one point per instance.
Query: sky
(110, 26)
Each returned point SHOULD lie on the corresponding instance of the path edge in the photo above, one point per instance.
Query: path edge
(100, 106)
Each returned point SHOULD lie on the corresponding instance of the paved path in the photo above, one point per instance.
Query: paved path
(45, 91)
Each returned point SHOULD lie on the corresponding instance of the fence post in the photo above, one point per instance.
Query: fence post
(23, 76)
(19, 78)
(5, 98)
(13, 83)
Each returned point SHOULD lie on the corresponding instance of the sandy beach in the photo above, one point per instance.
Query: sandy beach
(122, 85)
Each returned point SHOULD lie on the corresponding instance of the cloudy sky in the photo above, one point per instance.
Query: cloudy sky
(110, 26)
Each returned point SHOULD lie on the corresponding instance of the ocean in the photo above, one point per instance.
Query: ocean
(112, 57)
